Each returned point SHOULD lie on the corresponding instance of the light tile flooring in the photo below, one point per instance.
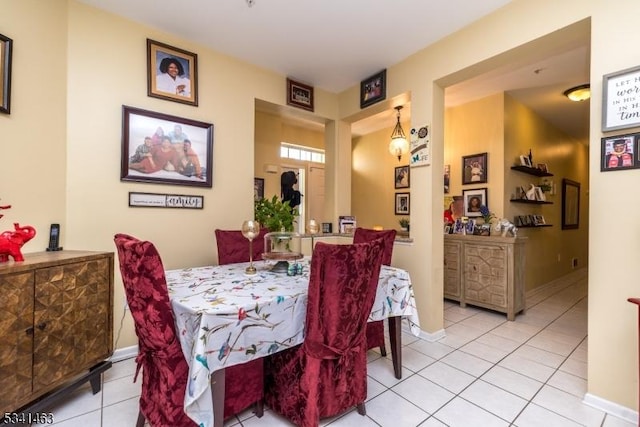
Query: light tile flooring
(485, 372)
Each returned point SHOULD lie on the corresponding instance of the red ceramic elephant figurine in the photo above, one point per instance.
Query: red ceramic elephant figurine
(12, 241)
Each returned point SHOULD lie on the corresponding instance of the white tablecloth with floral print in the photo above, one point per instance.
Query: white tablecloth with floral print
(225, 317)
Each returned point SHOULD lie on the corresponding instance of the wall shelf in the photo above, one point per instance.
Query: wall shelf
(531, 202)
(535, 226)
(531, 171)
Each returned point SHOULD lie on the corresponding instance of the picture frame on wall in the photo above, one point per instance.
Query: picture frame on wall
(402, 204)
(472, 200)
(163, 149)
(401, 177)
(258, 188)
(570, 204)
(6, 48)
(373, 89)
(172, 73)
(619, 152)
(474, 169)
(299, 95)
(620, 101)
(447, 178)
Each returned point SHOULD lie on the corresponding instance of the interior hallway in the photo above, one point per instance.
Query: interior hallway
(486, 372)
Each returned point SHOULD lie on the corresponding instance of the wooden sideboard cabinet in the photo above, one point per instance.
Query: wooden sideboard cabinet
(486, 272)
(56, 324)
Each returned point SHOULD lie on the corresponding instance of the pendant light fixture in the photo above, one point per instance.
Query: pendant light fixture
(579, 93)
(399, 144)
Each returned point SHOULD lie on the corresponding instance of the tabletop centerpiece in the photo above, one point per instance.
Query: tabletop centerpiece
(282, 243)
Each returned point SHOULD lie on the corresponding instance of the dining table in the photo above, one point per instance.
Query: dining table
(226, 317)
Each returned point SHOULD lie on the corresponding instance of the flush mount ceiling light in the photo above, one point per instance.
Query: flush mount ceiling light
(399, 144)
(579, 93)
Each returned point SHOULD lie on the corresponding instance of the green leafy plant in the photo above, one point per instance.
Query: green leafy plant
(274, 214)
(404, 222)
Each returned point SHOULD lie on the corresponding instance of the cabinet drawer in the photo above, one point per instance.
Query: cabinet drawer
(485, 274)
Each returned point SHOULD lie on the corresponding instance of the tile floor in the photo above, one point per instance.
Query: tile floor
(485, 372)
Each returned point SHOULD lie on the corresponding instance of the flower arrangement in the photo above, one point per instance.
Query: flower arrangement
(487, 216)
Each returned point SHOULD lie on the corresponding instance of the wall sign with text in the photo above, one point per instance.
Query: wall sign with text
(155, 200)
(420, 154)
(621, 99)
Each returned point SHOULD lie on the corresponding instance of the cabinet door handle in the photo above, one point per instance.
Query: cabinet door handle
(29, 330)
(41, 325)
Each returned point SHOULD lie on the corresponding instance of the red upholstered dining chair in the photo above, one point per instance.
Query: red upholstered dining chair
(327, 373)
(234, 247)
(375, 330)
(244, 383)
(164, 368)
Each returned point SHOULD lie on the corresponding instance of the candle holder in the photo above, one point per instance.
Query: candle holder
(313, 228)
(250, 230)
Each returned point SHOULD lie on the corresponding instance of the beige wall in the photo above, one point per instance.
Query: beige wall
(74, 68)
(373, 179)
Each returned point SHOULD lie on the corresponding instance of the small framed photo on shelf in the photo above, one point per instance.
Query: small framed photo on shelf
(402, 177)
(472, 200)
(539, 194)
(470, 226)
(373, 89)
(619, 109)
(620, 152)
(6, 45)
(524, 161)
(299, 95)
(474, 169)
(542, 167)
(172, 73)
(538, 220)
(402, 204)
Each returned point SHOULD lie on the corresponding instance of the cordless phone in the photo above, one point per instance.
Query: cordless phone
(54, 238)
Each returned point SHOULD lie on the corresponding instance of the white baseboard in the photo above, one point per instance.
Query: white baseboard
(431, 337)
(124, 353)
(611, 408)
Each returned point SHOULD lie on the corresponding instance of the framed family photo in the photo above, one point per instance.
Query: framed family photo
(258, 189)
(172, 73)
(474, 169)
(299, 95)
(373, 89)
(619, 152)
(401, 176)
(6, 47)
(402, 204)
(472, 200)
(163, 149)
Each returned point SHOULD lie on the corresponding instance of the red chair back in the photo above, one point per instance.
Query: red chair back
(164, 369)
(234, 247)
(363, 235)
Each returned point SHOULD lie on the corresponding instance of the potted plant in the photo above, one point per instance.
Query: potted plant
(404, 224)
(274, 214)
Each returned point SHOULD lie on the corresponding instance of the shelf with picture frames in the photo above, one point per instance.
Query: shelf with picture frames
(531, 171)
(531, 202)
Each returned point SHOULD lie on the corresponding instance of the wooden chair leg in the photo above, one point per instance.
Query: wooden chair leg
(140, 422)
(383, 350)
(259, 409)
(361, 408)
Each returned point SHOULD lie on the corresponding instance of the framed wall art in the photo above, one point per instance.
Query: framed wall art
(373, 89)
(401, 177)
(447, 178)
(163, 149)
(619, 152)
(570, 204)
(155, 200)
(472, 200)
(172, 73)
(402, 204)
(299, 95)
(621, 99)
(258, 188)
(6, 47)
(474, 169)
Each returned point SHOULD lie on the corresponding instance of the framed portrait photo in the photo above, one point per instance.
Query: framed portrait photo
(402, 204)
(172, 73)
(258, 188)
(373, 89)
(472, 200)
(620, 108)
(299, 95)
(401, 177)
(447, 178)
(163, 149)
(6, 46)
(474, 169)
(619, 152)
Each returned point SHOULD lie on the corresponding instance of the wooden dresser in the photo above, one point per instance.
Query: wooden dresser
(56, 323)
(485, 271)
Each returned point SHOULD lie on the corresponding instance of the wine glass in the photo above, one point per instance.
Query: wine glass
(250, 230)
(313, 228)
